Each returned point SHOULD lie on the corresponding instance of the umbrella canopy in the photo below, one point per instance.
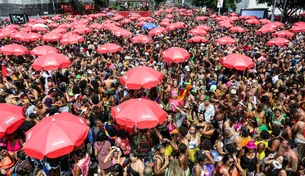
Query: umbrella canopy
(42, 50)
(139, 112)
(6, 32)
(17, 35)
(14, 49)
(164, 23)
(149, 26)
(278, 42)
(198, 32)
(237, 29)
(11, 118)
(226, 40)
(156, 31)
(141, 39)
(55, 136)
(299, 28)
(264, 30)
(283, 33)
(109, 48)
(71, 39)
(201, 18)
(175, 54)
(121, 32)
(197, 39)
(29, 37)
(60, 30)
(204, 27)
(52, 37)
(253, 21)
(237, 61)
(141, 77)
(51, 62)
(82, 30)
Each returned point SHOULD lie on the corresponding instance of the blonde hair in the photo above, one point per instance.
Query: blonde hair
(174, 168)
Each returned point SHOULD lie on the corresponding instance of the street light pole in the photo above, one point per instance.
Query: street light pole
(273, 10)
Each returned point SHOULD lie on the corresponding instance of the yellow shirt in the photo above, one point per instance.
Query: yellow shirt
(262, 155)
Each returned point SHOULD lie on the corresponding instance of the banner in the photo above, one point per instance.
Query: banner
(219, 3)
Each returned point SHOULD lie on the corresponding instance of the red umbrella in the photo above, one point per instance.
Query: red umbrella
(55, 136)
(141, 39)
(60, 30)
(226, 40)
(237, 29)
(65, 25)
(42, 50)
(300, 28)
(82, 30)
(141, 23)
(71, 39)
(237, 61)
(264, 21)
(96, 26)
(14, 49)
(197, 39)
(167, 20)
(225, 24)
(121, 32)
(25, 29)
(28, 37)
(11, 118)
(283, 33)
(174, 26)
(125, 21)
(198, 31)
(141, 77)
(169, 16)
(156, 31)
(164, 23)
(278, 42)
(6, 33)
(175, 54)
(204, 27)
(109, 48)
(253, 21)
(12, 26)
(52, 37)
(139, 112)
(53, 25)
(51, 62)
(17, 35)
(264, 30)
(201, 18)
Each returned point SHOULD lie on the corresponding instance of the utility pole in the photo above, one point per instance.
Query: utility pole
(273, 10)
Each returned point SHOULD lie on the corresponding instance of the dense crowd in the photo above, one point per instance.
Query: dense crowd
(228, 123)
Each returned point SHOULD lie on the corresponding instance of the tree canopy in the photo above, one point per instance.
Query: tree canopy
(212, 4)
(77, 6)
(287, 9)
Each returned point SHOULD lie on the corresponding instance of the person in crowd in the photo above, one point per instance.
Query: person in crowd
(102, 147)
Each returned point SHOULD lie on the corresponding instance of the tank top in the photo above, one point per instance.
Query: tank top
(84, 165)
(247, 163)
(192, 144)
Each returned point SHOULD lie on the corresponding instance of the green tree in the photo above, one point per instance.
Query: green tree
(287, 7)
(77, 5)
(100, 3)
(212, 4)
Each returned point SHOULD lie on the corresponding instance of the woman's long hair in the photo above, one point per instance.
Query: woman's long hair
(174, 168)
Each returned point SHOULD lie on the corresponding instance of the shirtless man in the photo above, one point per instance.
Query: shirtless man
(183, 158)
(41, 109)
(300, 138)
(285, 150)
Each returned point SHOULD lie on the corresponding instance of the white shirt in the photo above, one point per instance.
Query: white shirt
(209, 113)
